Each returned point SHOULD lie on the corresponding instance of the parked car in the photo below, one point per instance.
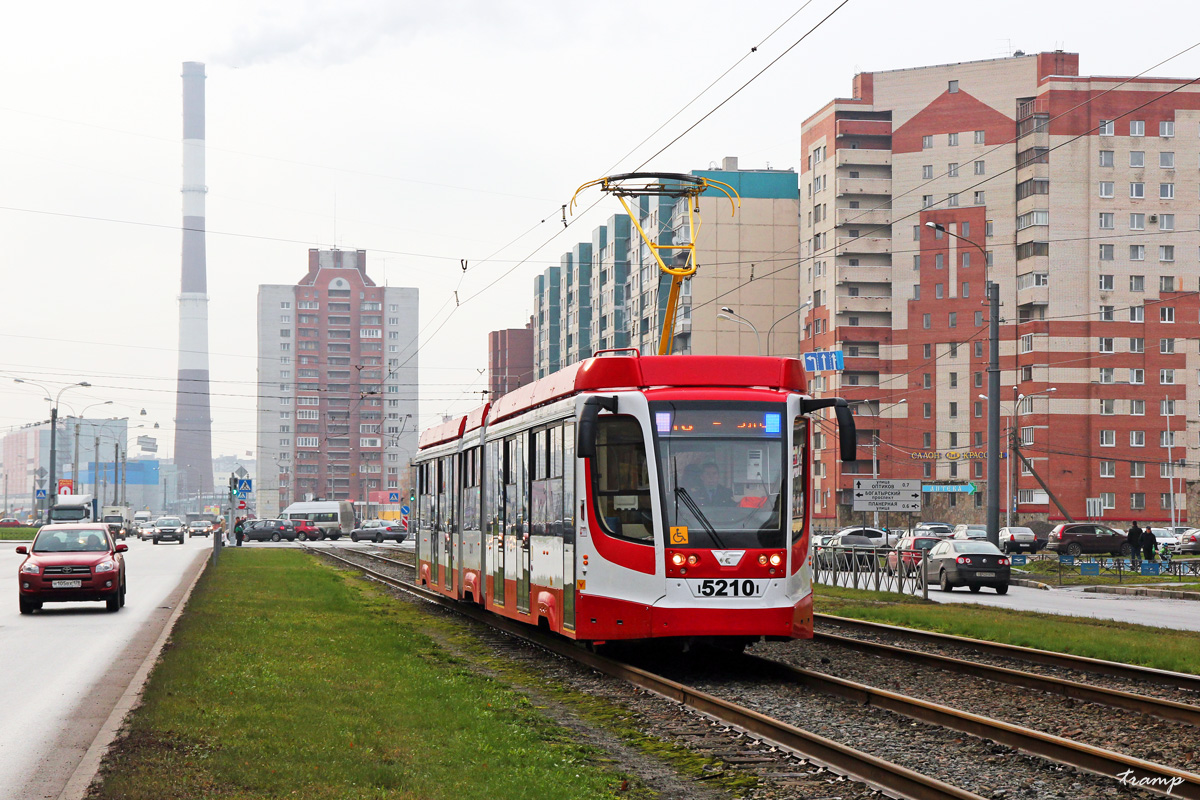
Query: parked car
(970, 563)
(1166, 536)
(379, 529)
(199, 527)
(10, 522)
(939, 529)
(839, 555)
(1077, 538)
(72, 562)
(909, 552)
(1189, 542)
(261, 530)
(307, 531)
(167, 528)
(881, 537)
(1016, 539)
(967, 532)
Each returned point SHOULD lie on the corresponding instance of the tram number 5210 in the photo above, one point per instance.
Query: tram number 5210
(719, 587)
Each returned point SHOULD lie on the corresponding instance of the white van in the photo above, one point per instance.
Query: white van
(335, 518)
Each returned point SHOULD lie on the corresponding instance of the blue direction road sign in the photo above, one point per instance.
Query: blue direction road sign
(824, 361)
(393, 497)
(40, 494)
(1089, 568)
(1150, 568)
(968, 488)
(1019, 561)
(404, 510)
(1068, 561)
(244, 485)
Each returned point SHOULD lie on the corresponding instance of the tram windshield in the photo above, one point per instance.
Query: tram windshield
(722, 472)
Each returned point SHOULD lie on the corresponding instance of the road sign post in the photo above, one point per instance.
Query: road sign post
(878, 494)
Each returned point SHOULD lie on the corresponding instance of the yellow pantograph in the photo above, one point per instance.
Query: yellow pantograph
(666, 184)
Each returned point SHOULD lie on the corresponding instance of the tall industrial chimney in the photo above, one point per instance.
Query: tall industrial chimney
(193, 423)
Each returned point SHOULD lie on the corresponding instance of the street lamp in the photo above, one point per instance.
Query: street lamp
(875, 445)
(1014, 432)
(771, 329)
(993, 370)
(727, 313)
(53, 435)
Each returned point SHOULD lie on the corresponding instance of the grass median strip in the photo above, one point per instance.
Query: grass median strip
(17, 534)
(285, 678)
(1161, 648)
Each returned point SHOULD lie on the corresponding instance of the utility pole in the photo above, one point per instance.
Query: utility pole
(96, 467)
(1167, 407)
(75, 464)
(124, 473)
(875, 475)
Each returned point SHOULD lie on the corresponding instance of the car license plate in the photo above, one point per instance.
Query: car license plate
(985, 574)
(66, 584)
(731, 587)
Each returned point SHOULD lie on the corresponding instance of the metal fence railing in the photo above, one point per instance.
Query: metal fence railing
(1169, 567)
(879, 569)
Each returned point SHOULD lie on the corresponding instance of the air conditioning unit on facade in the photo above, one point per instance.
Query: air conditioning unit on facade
(1153, 218)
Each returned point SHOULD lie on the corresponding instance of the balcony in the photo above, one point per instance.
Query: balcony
(863, 304)
(867, 274)
(847, 245)
(860, 186)
(1034, 295)
(864, 127)
(864, 216)
(860, 157)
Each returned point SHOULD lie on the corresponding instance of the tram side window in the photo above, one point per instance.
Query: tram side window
(446, 493)
(516, 489)
(621, 479)
(540, 484)
(554, 515)
(799, 458)
(492, 511)
(427, 496)
(569, 479)
(470, 483)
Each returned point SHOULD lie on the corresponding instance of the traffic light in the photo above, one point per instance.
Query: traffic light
(412, 495)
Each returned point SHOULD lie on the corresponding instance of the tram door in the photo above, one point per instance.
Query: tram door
(450, 522)
(495, 488)
(522, 519)
(568, 526)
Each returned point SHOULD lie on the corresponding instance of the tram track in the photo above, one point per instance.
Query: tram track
(892, 778)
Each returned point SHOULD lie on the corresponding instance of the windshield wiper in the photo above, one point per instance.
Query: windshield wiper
(686, 497)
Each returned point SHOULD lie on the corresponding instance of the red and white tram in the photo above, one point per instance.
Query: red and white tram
(629, 497)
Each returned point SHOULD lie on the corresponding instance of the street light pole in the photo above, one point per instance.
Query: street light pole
(771, 329)
(727, 313)
(993, 370)
(52, 490)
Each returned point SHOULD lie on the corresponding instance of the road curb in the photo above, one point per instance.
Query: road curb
(1171, 594)
(89, 765)
(1028, 583)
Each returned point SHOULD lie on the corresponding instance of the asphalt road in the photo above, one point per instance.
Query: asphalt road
(1180, 614)
(65, 667)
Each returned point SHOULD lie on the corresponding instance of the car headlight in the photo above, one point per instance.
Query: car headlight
(106, 566)
(30, 569)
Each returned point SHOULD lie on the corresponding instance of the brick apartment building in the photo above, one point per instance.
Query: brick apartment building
(1084, 194)
(510, 359)
(337, 385)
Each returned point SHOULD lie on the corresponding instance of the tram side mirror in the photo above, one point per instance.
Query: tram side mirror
(585, 440)
(847, 434)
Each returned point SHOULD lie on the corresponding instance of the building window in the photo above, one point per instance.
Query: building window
(1166, 346)
(952, 200)
(1106, 158)
(1106, 313)
(1106, 252)
(1166, 252)
(978, 319)
(1137, 283)
(926, 321)
(927, 172)
(1137, 376)
(1166, 313)
(1108, 469)
(979, 198)
(980, 169)
(1108, 407)
(978, 409)
(1137, 127)
(1106, 345)
(1166, 128)
(927, 409)
(1107, 188)
(1137, 344)
(1166, 377)
(1107, 438)
(1106, 127)
(1166, 160)
(937, 291)
(952, 139)
(1106, 220)
(1106, 283)
(980, 137)
(1137, 469)
(952, 319)
(1137, 222)
(1137, 501)
(1137, 190)
(952, 169)
(1137, 313)
(1106, 375)
(953, 88)
(1137, 159)
(1167, 439)
(1166, 222)
(926, 142)
(953, 410)
(1166, 191)
(926, 200)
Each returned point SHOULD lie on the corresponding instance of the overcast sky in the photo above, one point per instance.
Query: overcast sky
(424, 133)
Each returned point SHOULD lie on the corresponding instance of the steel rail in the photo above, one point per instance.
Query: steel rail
(892, 779)
(1163, 709)
(1179, 680)
(1145, 774)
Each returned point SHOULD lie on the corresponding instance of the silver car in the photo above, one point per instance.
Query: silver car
(1189, 542)
(1017, 539)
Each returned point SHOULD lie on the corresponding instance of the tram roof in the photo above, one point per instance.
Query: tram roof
(612, 373)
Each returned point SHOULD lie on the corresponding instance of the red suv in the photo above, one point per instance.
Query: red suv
(70, 563)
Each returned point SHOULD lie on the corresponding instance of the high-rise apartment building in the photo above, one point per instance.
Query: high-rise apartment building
(547, 320)
(1078, 197)
(510, 359)
(746, 263)
(337, 385)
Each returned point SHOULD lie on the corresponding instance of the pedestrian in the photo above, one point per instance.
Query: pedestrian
(1135, 543)
(1149, 543)
(239, 526)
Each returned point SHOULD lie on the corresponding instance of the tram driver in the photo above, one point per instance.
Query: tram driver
(712, 491)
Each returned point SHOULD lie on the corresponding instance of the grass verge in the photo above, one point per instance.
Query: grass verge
(287, 678)
(1048, 572)
(1161, 648)
(17, 534)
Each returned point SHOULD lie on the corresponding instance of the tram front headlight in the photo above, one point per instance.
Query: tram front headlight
(693, 560)
(776, 559)
(762, 559)
(677, 559)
